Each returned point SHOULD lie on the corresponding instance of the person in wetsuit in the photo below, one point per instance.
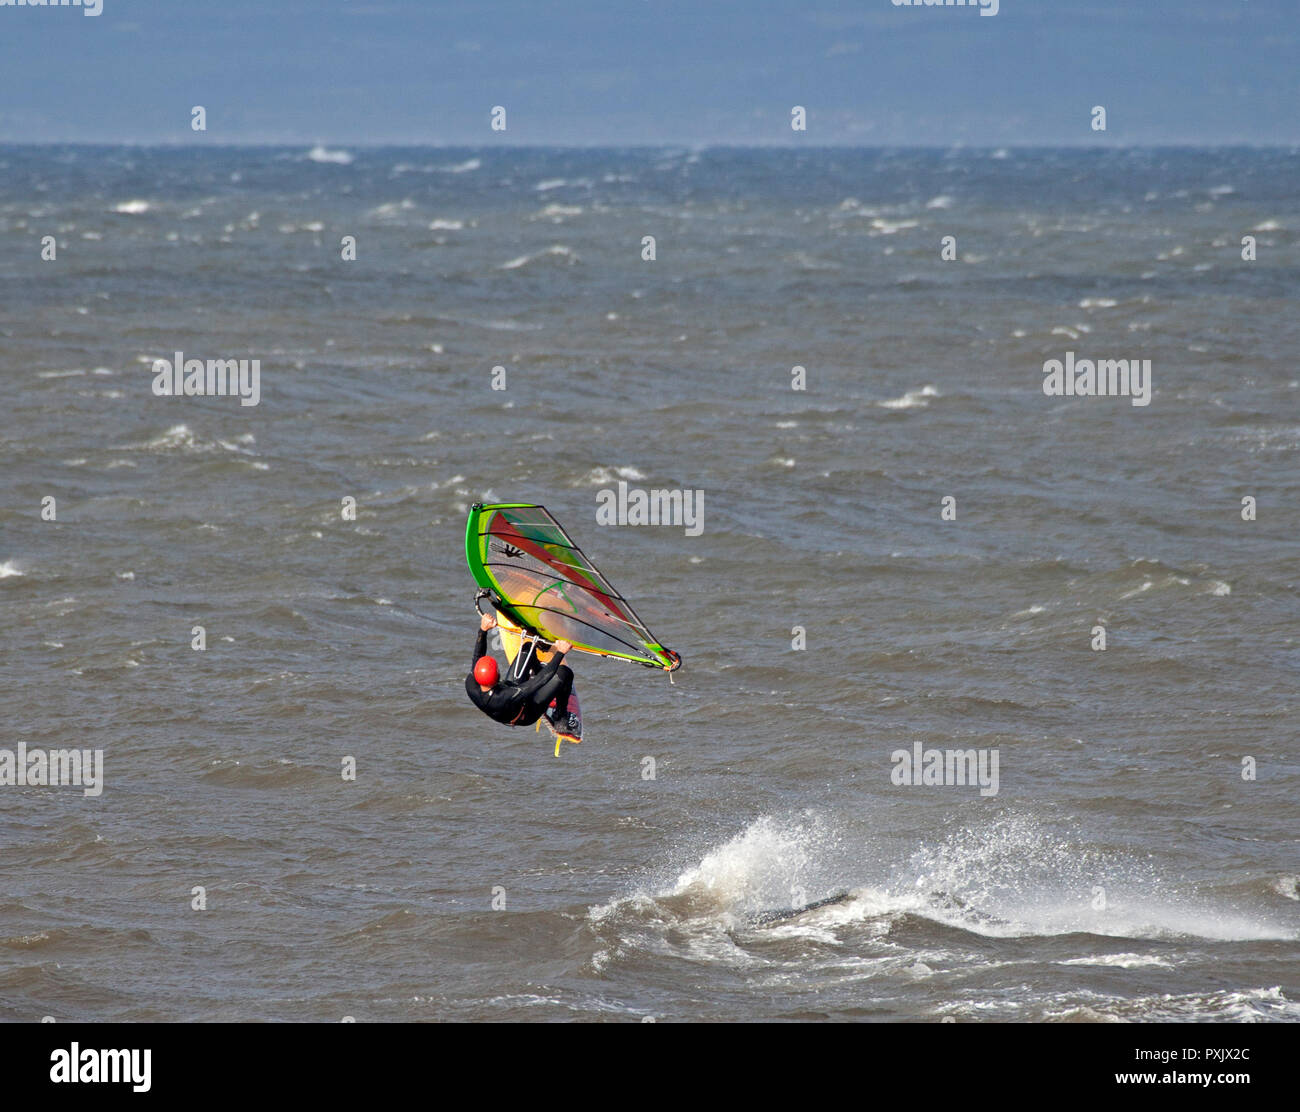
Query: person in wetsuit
(521, 702)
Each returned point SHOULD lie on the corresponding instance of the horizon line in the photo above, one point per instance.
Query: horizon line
(1293, 146)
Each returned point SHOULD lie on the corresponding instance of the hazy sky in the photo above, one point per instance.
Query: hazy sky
(622, 72)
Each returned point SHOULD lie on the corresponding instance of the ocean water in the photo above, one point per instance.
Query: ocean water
(1124, 869)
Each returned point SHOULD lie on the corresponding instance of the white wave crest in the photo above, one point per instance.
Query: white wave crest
(913, 399)
(319, 153)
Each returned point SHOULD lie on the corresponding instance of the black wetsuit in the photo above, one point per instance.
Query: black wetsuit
(521, 702)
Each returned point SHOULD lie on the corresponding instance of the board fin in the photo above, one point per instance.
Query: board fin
(559, 737)
(565, 737)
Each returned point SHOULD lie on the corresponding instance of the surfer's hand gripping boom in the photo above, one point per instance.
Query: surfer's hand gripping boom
(486, 622)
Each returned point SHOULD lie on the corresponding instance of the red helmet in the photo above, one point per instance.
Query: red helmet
(485, 670)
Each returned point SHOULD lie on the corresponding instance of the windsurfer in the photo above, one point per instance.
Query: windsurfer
(522, 701)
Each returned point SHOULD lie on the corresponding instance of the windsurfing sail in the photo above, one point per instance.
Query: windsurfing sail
(544, 583)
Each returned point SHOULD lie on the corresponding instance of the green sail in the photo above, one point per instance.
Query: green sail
(545, 583)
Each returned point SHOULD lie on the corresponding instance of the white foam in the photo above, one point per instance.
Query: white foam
(1120, 961)
(603, 475)
(182, 437)
(1288, 886)
(319, 153)
(1013, 878)
(892, 227)
(912, 399)
(1008, 878)
(557, 212)
(759, 868)
(178, 436)
(390, 209)
(557, 250)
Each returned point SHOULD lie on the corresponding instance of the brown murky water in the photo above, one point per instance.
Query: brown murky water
(1123, 868)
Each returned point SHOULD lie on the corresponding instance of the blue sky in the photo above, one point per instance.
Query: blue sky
(626, 72)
